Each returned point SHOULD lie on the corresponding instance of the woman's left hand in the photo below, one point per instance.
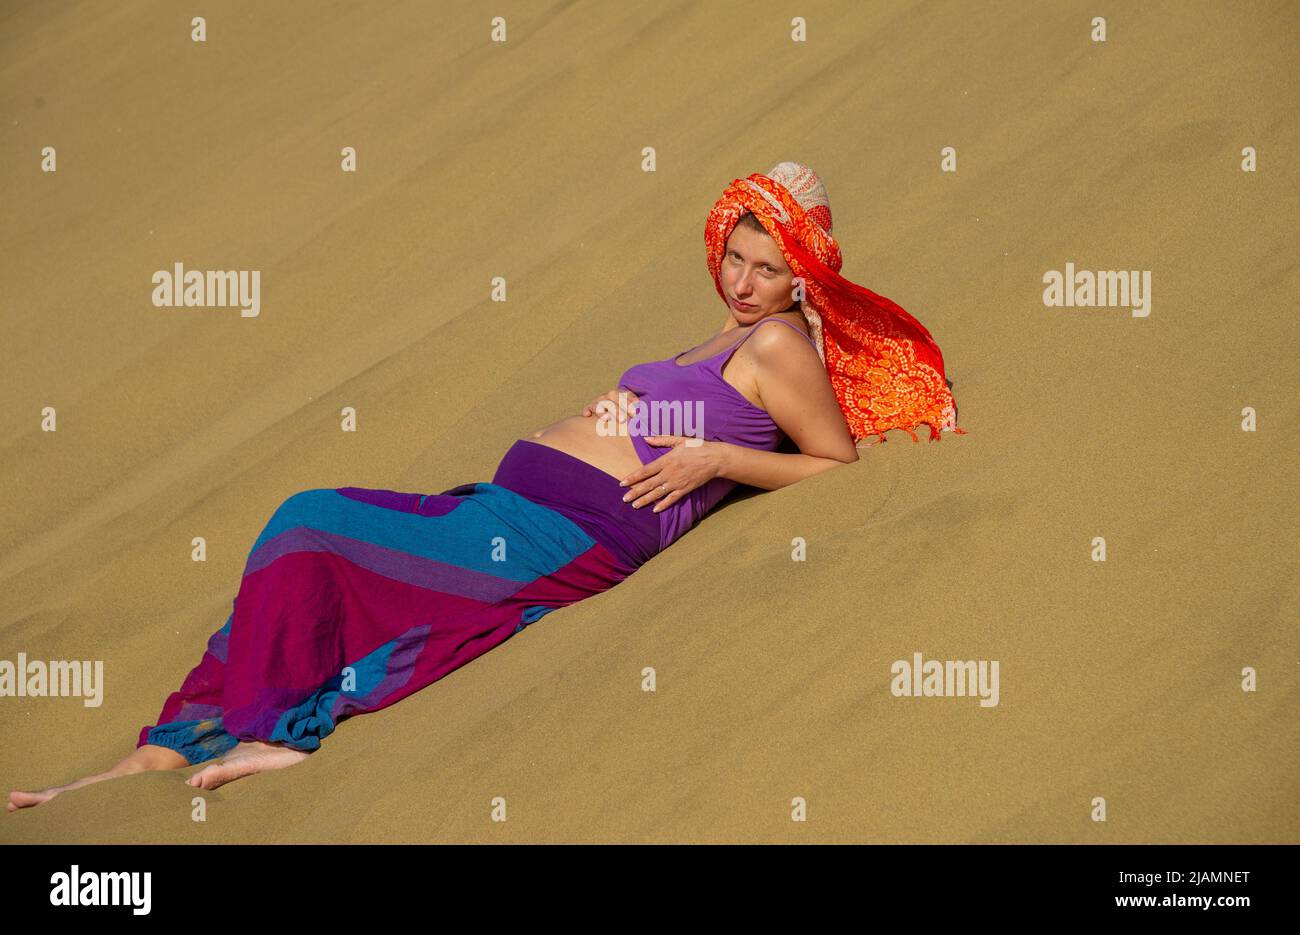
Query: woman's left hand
(674, 474)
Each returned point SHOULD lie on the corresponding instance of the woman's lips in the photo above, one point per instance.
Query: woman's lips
(741, 305)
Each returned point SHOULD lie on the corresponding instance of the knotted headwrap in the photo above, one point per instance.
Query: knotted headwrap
(885, 368)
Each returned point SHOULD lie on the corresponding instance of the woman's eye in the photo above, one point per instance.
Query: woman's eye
(736, 256)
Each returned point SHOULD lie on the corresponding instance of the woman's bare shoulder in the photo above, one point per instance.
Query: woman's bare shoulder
(795, 318)
(780, 340)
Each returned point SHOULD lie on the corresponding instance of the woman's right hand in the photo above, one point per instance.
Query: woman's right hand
(591, 410)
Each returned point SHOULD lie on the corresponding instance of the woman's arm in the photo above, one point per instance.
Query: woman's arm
(793, 385)
(797, 394)
(770, 470)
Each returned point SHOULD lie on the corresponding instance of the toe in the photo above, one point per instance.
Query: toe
(19, 799)
(218, 774)
(203, 779)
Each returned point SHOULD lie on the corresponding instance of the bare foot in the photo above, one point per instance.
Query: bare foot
(247, 757)
(145, 758)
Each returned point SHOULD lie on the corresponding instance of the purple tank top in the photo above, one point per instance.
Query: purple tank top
(694, 399)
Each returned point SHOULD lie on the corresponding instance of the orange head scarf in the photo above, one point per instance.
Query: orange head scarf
(885, 368)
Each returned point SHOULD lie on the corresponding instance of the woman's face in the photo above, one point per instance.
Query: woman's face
(755, 273)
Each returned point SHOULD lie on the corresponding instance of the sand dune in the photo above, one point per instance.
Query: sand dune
(1119, 679)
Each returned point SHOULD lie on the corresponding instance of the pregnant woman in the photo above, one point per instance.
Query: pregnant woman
(354, 598)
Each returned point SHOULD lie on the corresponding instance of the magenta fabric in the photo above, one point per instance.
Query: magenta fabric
(354, 598)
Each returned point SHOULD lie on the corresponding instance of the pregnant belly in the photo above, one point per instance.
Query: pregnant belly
(577, 436)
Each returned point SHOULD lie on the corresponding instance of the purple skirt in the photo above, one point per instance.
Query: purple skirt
(584, 494)
(354, 598)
